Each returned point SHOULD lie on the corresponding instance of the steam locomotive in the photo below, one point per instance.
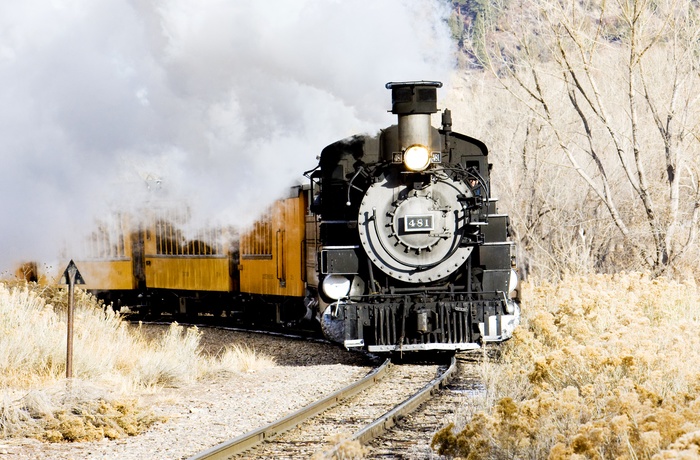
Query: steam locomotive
(394, 244)
(412, 254)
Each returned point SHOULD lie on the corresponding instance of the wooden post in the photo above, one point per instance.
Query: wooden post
(71, 276)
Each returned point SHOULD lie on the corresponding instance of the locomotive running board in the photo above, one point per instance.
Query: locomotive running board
(423, 347)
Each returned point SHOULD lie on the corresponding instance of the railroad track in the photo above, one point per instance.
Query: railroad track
(458, 399)
(357, 413)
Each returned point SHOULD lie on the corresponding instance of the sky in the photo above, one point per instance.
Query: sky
(220, 104)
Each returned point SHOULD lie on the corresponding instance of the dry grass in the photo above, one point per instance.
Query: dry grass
(112, 365)
(604, 366)
(239, 358)
(343, 449)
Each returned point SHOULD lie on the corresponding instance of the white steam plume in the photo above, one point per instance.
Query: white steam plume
(225, 102)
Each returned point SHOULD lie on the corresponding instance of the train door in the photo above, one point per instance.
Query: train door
(311, 243)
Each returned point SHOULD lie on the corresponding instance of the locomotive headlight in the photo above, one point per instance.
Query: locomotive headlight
(513, 283)
(416, 158)
(336, 286)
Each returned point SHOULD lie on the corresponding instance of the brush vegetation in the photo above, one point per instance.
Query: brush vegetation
(603, 366)
(113, 362)
(590, 110)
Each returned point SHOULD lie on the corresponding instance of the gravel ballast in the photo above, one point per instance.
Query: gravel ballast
(203, 414)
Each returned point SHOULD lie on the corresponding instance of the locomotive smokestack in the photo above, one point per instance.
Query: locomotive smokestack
(414, 102)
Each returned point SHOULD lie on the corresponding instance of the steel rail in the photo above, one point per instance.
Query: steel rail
(390, 419)
(244, 442)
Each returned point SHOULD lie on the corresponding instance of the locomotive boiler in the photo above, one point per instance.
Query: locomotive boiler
(412, 253)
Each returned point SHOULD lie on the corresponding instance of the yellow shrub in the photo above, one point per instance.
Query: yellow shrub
(612, 372)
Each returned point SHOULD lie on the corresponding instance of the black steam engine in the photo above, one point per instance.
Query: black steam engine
(413, 254)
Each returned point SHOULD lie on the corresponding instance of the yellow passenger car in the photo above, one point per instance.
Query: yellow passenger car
(198, 263)
(106, 260)
(273, 251)
(155, 263)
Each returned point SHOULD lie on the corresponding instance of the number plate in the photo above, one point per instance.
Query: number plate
(418, 223)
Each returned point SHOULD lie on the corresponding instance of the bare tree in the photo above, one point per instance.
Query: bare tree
(616, 84)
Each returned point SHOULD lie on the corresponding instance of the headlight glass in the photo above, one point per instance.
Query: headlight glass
(513, 282)
(416, 158)
(336, 286)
